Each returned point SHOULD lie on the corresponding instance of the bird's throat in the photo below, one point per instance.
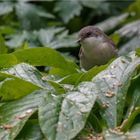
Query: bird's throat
(90, 44)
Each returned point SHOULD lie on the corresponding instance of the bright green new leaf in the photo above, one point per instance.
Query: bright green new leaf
(3, 48)
(7, 60)
(45, 57)
(11, 89)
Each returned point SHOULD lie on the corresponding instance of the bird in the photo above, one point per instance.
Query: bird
(96, 47)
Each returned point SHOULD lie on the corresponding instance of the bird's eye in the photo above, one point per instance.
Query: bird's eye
(88, 33)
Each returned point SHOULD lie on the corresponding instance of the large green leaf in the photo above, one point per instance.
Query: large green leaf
(87, 76)
(7, 60)
(129, 30)
(31, 15)
(113, 84)
(14, 88)
(45, 57)
(38, 57)
(46, 36)
(130, 119)
(68, 13)
(76, 78)
(127, 47)
(56, 38)
(112, 22)
(16, 40)
(28, 73)
(15, 114)
(133, 103)
(19, 81)
(62, 117)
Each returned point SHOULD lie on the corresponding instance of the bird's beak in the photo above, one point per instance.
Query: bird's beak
(79, 40)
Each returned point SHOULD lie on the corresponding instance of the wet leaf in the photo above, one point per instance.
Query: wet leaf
(14, 115)
(115, 80)
(68, 113)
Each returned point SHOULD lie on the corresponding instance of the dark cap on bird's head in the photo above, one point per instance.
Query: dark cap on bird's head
(92, 31)
(89, 31)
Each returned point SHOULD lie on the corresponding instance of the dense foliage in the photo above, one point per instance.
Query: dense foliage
(43, 92)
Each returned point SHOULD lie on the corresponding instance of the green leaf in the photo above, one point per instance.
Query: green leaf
(138, 51)
(15, 114)
(115, 38)
(71, 79)
(134, 7)
(31, 16)
(87, 76)
(16, 40)
(28, 73)
(68, 13)
(3, 48)
(68, 113)
(30, 131)
(5, 8)
(19, 81)
(46, 36)
(127, 47)
(11, 89)
(128, 121)
(112, 22)
(45, 57)
(6, 30)
(57, 87)
(92, 4)
(113, 84)
(132, 103)
(129, 30)
(59, 72)
(7, 60)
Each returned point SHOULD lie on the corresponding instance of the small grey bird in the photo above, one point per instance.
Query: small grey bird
(96, 47)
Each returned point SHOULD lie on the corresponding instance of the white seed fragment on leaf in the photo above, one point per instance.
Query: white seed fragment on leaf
(29, 111)
(109, 94)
